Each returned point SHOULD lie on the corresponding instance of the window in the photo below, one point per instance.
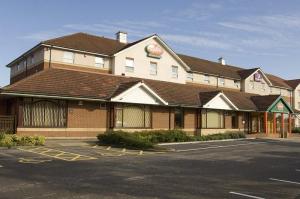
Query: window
(237, 83)
(212, 119)
(190, 77)
(175, 72)
(44, 113)
(234, 121)
(129, 65)
(178, 119)
(99, 62)
(153, 68)
(68, 57)
(206, 79)
(132, 116)
(31, 59)
(222, 81)
(18, 67)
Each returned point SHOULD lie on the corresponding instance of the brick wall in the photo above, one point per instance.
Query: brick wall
(160, 117)
(228, 121)
(89, 115)
(190, 118)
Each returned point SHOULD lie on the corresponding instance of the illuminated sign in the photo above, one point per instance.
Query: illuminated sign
(154, 50)
(257, 77)
(280, 107)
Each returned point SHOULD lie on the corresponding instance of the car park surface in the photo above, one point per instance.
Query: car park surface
(228, 169)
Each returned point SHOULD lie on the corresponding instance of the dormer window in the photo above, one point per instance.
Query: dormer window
(68, 57)
(206, 79)
(175, 72)
(129, 65)
(99, 62)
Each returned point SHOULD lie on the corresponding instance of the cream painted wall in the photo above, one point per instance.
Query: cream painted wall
(142, 64)
(80, 59)
(258, 86)
(296, 95)
(213, 81)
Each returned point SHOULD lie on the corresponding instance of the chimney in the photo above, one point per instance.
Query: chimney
(121, 37)
(222, 61)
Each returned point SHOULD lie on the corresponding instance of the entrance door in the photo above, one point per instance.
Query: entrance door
(278, 123)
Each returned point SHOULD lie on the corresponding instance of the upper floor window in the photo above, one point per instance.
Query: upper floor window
(129, 65)
(153, 68)
(68, 57)
(31, 59)
(206, 79)
(190, 77)
(175, 72)
(237, 83)
(222, 81)
(99, 62)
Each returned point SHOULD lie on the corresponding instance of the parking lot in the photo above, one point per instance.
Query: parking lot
(230, 169)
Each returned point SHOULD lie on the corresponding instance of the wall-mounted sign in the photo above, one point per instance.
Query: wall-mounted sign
(280, 106)
(257, 77)
(154, 50)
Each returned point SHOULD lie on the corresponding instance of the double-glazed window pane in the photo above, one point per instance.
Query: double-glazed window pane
(174, 72)
(129, 65)
(153, 68)
(99, 62)
(179, 116)
(133, 116)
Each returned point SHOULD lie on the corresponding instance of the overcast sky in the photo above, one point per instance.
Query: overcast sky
(247, 33)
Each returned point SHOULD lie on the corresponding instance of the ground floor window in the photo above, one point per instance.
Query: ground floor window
(179, 118)
(44, 113)
(212, 119)
(132, 116)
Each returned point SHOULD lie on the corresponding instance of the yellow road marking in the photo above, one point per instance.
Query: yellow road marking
(62, 155)
(32, 161)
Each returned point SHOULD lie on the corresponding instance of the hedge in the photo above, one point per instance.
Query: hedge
(10, 140)
(148, 139)
(296, 130)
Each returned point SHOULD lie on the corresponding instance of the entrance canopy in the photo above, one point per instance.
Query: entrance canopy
(272, 103)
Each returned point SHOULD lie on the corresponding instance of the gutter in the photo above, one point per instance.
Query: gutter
(52, 97)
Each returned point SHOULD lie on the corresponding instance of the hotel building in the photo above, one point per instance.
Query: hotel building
(81, 85)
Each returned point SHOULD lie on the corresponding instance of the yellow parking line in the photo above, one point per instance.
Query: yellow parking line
(68, 156)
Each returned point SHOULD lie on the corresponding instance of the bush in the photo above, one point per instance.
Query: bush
(221, 136)
(296, 130)
(10, 140)
(123, 139)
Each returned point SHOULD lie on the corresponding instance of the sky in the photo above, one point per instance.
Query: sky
(246, 33)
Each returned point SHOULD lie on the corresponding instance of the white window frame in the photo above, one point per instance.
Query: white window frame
(207, 79)
(190, 76)
(99, 62)
(153, 70)
(174, 70)
(237, 83)
(222, 81)
(69, 57)
(129, 64)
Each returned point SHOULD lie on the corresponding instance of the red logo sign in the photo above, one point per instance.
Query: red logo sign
(257, 77)
(280, 107)
(154, 50)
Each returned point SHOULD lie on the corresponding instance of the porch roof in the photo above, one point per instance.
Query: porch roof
(94, 86)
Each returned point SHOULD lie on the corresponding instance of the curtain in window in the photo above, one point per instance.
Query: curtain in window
(212, 119)
(133, 116)
(44, 114)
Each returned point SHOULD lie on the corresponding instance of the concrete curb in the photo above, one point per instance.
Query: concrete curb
(197, 142)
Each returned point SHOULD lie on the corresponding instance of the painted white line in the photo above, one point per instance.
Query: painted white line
(198, 142)
(1, 166)
(216, 147)
(298, 170)
(286, 181)
(245, 195)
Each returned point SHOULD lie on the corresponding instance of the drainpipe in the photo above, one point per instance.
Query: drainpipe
(50, 56)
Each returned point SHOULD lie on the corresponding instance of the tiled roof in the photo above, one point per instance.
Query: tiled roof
(264, 102)
(68, 83)
(293, 83)
(106, 46)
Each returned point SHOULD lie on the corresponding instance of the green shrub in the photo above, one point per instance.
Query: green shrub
(9, 140)
(296, 130)
(123, 139)
(221, 136)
